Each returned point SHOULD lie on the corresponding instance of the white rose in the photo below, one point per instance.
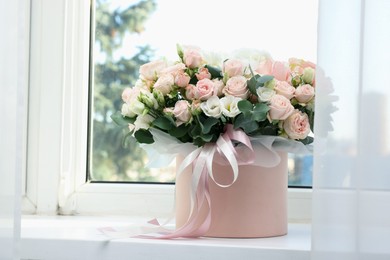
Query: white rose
(308, 75)
(229, 106)
(136, 107)
(212, 107)
(265, 94)
(148, 99)
(149, 71)
(165, 84)
(143, 122)
(125, 111)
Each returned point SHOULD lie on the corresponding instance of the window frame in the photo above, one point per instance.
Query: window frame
(58, 128)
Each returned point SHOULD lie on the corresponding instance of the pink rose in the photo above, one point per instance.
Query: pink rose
(203, 73)
(190, 92)
(165, 84)
(297, 125)
(233, 68)
(182, 112)
(149, 71)
(280, 107)
(204, 89)
(280, 71)
(301, 63)
(182, 79)
(130, 94)
(265, 67)
(218, 87)
(192, 58)
(304, 93)
(174, 69)
(284, 89)
(237, 87)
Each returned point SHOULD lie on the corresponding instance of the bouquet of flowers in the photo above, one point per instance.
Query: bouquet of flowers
(195, 98)
(239, 109)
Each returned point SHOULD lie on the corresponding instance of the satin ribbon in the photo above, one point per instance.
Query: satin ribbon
(232, 148)
(202, 160)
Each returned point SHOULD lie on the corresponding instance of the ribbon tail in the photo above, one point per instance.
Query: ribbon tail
(197, 225)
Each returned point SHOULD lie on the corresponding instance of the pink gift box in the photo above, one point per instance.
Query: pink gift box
(253, 206)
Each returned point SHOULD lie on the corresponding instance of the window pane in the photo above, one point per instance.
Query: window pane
(127, 34)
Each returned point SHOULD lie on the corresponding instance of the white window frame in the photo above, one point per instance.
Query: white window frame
(57, 129)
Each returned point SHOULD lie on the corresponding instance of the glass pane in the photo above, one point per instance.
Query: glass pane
(127, 34)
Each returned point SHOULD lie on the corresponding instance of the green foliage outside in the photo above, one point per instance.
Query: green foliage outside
(110, 159)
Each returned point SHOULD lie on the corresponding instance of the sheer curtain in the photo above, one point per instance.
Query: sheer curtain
(351, 193)
(13, 71)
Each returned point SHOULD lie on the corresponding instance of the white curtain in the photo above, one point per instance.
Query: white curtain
(351, 193)
(13, 78)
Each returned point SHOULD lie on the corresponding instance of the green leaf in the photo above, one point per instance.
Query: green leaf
(121, 120)
(179, 51)
(307, 140)
(270, 130)
(208, 124)
(260, 112)
(179, 131)
(215, 72)
(264, 79)
(196, 131)
(311, 120)
(207, 138)
(246, 123)
(163, 123)
(245, 106)
(124, 140)
(252, 85)
(144, 136)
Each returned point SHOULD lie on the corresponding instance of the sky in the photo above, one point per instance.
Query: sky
(284, 28)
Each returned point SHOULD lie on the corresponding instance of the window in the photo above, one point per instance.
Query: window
(130, 33)
(58, 121)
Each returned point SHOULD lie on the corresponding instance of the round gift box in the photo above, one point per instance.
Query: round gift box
(254, 206)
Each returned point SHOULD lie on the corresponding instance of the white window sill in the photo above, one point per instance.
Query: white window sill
(77, 237)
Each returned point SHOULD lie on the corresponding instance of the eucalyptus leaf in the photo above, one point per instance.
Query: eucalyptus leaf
(260, 112)
(245, 106)
(264, 79)
(246, 123)
(269, 130)
(311, 120)
(252, 85)
(144, 136)
(163, 123)
(207, 138)
(195, 131)
(208, 124)
(121, 120)
(179, 131)
(125, 138)
(307, 140)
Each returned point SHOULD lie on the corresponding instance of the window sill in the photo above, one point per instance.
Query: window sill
(77, 237)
